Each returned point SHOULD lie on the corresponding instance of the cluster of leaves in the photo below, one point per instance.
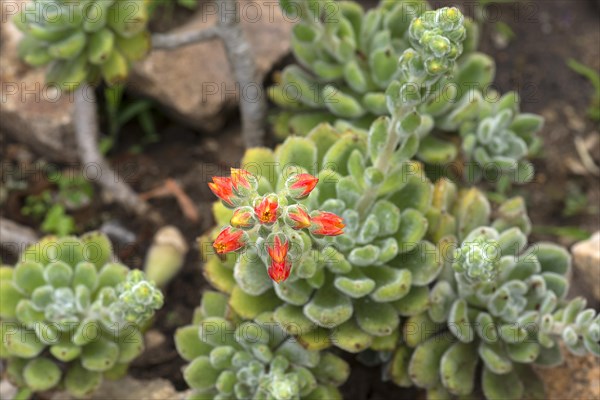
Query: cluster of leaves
(84, 40)
(69, 315)
(333, 291)
(50, 207)
(234, 359)
(120, 111)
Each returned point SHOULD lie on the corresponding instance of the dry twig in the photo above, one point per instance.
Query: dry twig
(172, 188)
(86, 132)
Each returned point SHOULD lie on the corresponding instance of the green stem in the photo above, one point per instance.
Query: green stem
(383, 164)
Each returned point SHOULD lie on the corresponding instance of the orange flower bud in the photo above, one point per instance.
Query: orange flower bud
(229, 240)
(327, 224)
(278, 251)
(300, 185)
(279, 272)
(280, 267)
(297, 217)
(222, 188)
(243, 180)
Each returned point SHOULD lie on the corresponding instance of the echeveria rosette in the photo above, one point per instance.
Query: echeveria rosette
(233, 359)
(84, 40)
(71, 316)
(499, 139)
(349, 290)
(499, 304)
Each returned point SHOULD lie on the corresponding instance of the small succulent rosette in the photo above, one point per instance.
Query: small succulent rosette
(70, 315)
(233, 359)
(498, 306)
(84, 40)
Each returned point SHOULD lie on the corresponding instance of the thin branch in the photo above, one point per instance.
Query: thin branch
(15, 237)
(253, 105)
(85, 120)
(171, 41)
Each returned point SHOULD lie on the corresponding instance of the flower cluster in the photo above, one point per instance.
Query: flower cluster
(273, 216)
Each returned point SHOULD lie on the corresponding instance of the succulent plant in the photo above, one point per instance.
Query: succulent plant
(70, 315)
(84, 40)
(334, 282)
(234, 359)
(347, 65)
(348, 288)
(348, 59)
(499, 303)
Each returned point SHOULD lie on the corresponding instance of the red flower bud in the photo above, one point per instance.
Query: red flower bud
(280, 267)
(300, 185)
(279, 272)
(222, 188)
(297, 217)
(266, 210)
(327, 224)
(229, 240)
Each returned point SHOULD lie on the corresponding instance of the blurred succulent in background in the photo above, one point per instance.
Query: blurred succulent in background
(231, 359)
(498, 303)
(52, 208)
(349, 58)
(348, 65)
(84, 40)
(71, 316)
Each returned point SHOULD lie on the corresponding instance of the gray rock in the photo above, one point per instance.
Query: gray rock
(195, 83)
(578, 378)
(586, 258)
(131, 389)
(32, 112)
(7, 390)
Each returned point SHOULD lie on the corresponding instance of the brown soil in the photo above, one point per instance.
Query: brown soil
(547, 34)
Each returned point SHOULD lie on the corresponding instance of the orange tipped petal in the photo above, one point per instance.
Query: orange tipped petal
(243, 217)
(240, 178)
